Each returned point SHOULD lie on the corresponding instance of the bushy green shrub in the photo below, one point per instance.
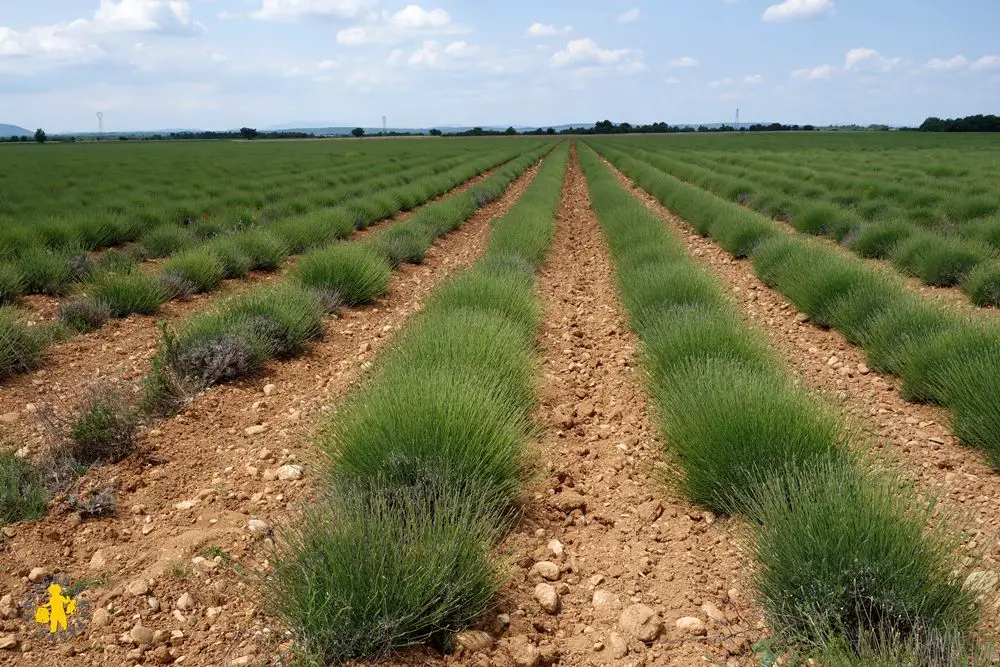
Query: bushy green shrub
(165, 240)
(20, 345)
(312, 230)
(879, 240)
(11, 283)
(104, 429)
(22, 496)
(83, 315)
(45, 271)
(732, 430)
(381, 569)
(266, 251)
(893, 336)
(983, 284)
(117, 261)
(233, 340)
(401, 244)
(680, 336)
(128, 293)
(818, 219)
(357, 273)
(487, 293)
(846, 555)
(235, 262)
(200, 267)
(938, 260)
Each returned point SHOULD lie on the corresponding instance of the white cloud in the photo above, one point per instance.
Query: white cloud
(327, 64)
(586, 52)
(753, 79)
(672, 81)
(386, 28)
(56, 43)
(815, 73)
(143, 16)
(685, 61)
(794, 10)
(863, 58)
(427, 54)
(415, 17)
(856, 56)
(460, 48)
(721, 83)
(946, 64)
(291, 10)
(629, 16)
(986, 63)
(539, 30)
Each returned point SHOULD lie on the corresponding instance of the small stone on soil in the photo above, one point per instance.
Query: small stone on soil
(546, 570)
(641, 622)
(547, 598)
(691, 625)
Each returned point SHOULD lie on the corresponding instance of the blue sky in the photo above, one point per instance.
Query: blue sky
(219, 64)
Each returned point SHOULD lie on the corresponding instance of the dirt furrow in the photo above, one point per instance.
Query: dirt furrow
(908, 437)
(602, 512)
(183, 526)
(120, 351)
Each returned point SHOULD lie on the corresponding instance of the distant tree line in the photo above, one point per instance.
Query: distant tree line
(977, 123)
(607, 127)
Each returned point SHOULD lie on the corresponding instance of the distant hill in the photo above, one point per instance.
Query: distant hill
(14, 131)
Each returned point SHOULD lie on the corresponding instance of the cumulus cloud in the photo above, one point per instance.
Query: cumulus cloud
(753, 79)
(863, 58)
(721, 83)
(427, 54)
(144, 16)
(672, 81)
(84, 41)
(795, 10)
(629, 16)
(684, 61)
(460, 48)
(540, 30)
(415, 17)
(986, 63)
(391, 28)
(946, 64)
(817, 73)
(292, 10)
(586, 52)
(327, 65)
(57, 43)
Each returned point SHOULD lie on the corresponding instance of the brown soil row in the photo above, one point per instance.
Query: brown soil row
(601, 510)
(912, 439)
(202, 476)
(120, 351)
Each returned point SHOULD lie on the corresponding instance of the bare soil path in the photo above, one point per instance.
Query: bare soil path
(164, 575)
(914, 439)
(602, 528)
